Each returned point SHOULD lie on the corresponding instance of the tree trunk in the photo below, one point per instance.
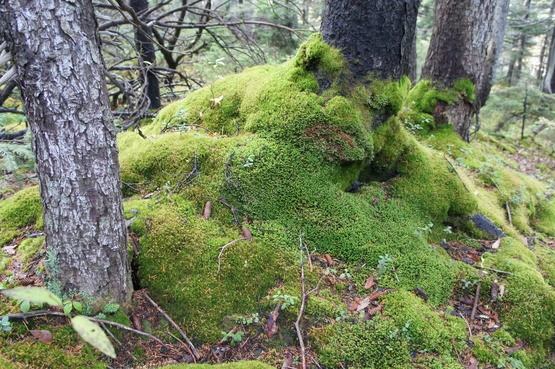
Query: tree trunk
(143, 40)
(61, 74)
(376, 37)
(494, 49)
(549, 81)
(458, 49)
(545, 46)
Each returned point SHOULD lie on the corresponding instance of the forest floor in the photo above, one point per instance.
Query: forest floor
(135, 351)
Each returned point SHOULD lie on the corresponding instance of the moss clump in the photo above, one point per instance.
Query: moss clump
(18, 211)
(371, 344)
(29, 248)
(179, 264)
(529, 301)
(424, 329)
(424, 96)
(61, 353)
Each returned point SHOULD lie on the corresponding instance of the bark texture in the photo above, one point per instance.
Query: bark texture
(549, 82)
(376, 37)
(458, 50)
(145, 47)
(494, 50)
(55, 49)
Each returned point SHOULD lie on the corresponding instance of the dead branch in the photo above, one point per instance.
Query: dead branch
(224, 247)
(195, 352)
(476, 299)
(32, 314)
(303, 303)
(493, 270)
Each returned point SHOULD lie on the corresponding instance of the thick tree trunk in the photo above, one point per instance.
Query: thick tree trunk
(376, 37)
(458, 49)
(494, 50)
(55, 49)
(143, 40)
(549, 81)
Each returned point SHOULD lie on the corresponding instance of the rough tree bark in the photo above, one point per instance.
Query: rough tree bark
(55, 49)
(143, 40)
(549, 81)
(494, 50)
(458, 49)
(376, 37)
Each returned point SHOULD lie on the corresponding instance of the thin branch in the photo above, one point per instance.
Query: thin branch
(475, 306)
(224, 247)
(195, 352)
(303, 303)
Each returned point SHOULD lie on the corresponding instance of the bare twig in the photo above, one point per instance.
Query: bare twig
(32, 314)
(195, 352)
(493, 270)
(509, 213)
(303, 303)
(224, 247)
(476, 299)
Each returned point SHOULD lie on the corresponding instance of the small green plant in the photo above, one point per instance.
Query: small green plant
(110, 308)
(249, 319)
(70, 305)
(286, 300)
(345, 274)
(87, 329)
(6, 324)
(422, 230)
(384, 264)
(233, 337)
(343, 315)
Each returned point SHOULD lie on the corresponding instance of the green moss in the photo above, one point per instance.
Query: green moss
(371, 344)
(66, 351)
(529, 301)
(29, 248)
(424, 329)
(179, 266)
(19, 210)
(236, 365)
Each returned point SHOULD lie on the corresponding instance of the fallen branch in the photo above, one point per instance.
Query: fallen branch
(193, 349)
(224, 247)
(303, 303)
(509, 213)
(32, 314)
(493, 270)
(476, 299)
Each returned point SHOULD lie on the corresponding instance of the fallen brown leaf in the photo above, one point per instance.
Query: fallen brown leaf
(375, 295)
(363, 304)
(369, 282)
(42, 335)
(207, 210)
(247, 233)
(420, 292)
(329, 260)
(472, 363)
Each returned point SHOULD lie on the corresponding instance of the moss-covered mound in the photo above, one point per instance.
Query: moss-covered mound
(235, 177)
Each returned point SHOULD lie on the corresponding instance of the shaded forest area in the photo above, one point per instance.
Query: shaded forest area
(291, 184)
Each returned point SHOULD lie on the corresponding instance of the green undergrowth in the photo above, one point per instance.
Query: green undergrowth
(65, 351)
(361, 173)
(278, 155)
